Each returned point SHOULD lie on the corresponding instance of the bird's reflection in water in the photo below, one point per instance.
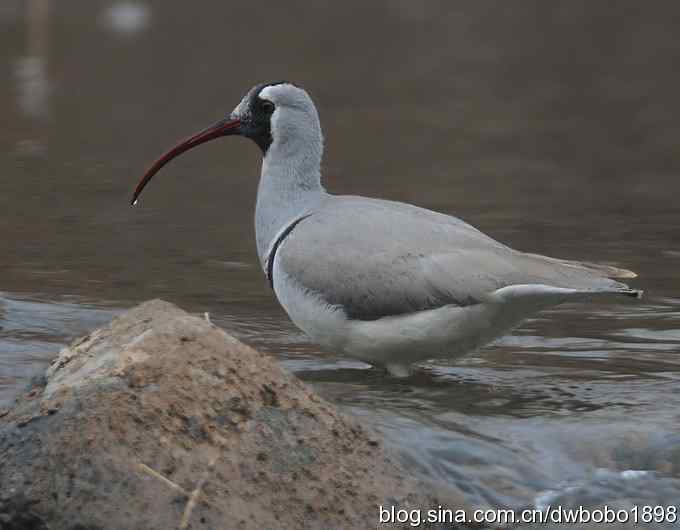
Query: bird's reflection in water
(32, 81)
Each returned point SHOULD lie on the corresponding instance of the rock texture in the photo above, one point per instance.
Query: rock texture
(162, 420)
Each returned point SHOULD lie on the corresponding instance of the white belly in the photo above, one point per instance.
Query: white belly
(397, 341)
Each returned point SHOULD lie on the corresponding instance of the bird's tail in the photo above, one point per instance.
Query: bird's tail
(606, 271)
(548, 295)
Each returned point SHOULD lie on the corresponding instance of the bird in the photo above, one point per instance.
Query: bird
(384, 282)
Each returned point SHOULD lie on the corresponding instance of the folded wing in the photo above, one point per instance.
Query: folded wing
(379, 258)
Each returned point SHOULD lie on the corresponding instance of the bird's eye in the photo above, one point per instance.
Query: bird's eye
(267, 106)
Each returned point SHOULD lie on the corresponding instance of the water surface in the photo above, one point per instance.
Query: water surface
(553, 129)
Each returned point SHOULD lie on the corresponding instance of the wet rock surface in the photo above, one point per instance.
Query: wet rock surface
(163, 420)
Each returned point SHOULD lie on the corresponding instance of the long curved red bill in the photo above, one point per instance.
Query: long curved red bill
(221, 128)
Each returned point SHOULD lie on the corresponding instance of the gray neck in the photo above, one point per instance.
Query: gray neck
(290, 186)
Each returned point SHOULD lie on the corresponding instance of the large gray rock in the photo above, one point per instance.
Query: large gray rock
(162, 420)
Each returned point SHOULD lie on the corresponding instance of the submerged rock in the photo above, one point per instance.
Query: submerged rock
(162, 420)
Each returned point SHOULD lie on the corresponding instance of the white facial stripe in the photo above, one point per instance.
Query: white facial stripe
(279, 93)
(242, 106)
(265, 93)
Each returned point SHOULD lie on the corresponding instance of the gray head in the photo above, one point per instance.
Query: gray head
(277, 112)
(279, 117)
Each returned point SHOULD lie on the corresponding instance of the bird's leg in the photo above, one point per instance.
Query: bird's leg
(398, 370)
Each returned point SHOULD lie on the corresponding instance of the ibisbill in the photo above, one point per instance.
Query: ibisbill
(385, 282)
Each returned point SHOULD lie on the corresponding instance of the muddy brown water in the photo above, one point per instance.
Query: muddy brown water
(553, 128)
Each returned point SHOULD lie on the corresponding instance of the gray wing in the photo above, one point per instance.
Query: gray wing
(377, 258)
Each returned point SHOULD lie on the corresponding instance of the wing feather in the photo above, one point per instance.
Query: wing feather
(378, 258)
